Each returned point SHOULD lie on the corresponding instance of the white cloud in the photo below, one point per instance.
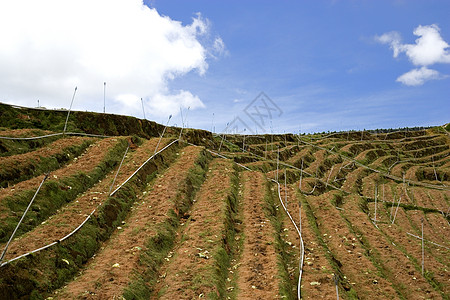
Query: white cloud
(393, 38)
(48, 47)
(429, 49)
(417, 77)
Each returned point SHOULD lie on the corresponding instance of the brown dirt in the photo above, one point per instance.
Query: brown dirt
(20, 161)
(258, 263)
(368, 185)
(398, 171)
(74, 213)
(298, 157)
(350, 184)
(438, 198)
(84, 163)
(316, 267)
(187, 275)
(360, 272)
(380, 162)
(319, 157)
(437, 260)
(24, 132)
(401, 270)
(108, 273)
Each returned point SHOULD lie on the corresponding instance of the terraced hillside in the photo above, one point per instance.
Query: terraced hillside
(127, 215)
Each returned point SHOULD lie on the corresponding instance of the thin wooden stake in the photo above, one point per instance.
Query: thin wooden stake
(70, 108)
(104, 97)
(142, 102)
(183, 121)
(376, 192)
(278, 161)
(423, 252)
(21, 219)
(285, 188)
(300, 215)
(301, 176)
(336, 282)
(326, 184)
(392, 209)
(160, 138)
(243, 142)
(223, 137)
(117, 173)
(399, 199)
(265, 153)
(434, 169)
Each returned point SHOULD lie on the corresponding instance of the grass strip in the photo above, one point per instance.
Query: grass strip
(344, 285)
(34, 276)
(159, 245)
(288, 285)
(54, 194)
(13, 170)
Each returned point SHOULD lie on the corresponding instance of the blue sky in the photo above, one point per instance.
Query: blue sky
(318, 60)
(328, 65)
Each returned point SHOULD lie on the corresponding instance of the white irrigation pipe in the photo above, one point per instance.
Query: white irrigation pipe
(51, 244)
(21, 219)
(295, 168)
(301, 241)
(170, 144)
(378, 171)
(289, 215)
(70, 108)
(222, 156)
(85, 220)
(29, 138)
(418, 237)
(54, 134)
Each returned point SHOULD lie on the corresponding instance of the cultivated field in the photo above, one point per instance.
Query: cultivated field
(127, 215)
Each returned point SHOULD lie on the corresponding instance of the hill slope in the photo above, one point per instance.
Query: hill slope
(124, 214)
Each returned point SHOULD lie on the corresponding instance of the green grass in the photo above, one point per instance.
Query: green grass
(158, 246)
(54, 194)
(13, 147)
(344, 286)
(45, 271)
(13, 174)
(228, 249)
(275, 214)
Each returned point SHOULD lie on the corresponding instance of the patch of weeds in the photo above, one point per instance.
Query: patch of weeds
(338, 199)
